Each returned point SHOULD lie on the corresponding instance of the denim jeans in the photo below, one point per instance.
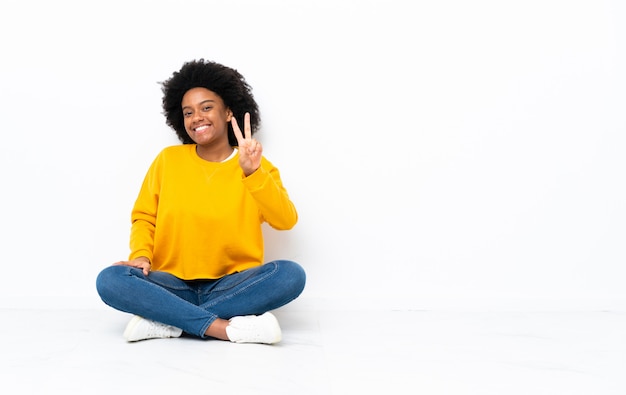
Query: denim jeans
(193, 305)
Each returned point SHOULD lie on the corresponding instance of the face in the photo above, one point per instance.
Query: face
(206, 117)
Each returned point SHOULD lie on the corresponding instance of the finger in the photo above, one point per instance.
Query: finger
(236, 130)
(247, 130)
(255, 147)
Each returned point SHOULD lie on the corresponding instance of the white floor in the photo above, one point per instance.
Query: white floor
(323, 352)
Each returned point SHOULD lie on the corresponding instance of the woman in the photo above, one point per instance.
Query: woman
(196, 262)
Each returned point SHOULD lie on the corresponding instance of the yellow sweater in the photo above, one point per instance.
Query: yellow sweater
(202, 220)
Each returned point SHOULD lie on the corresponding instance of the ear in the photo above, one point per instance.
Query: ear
(229, 115)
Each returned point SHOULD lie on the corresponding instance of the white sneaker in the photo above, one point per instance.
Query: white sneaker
(254, 329)
(140, 328)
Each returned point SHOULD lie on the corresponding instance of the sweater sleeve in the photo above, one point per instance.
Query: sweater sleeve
(143, 215)
(275, 206)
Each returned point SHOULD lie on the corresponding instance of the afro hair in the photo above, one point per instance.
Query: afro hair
(226, 82)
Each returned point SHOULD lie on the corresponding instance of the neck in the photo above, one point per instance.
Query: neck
(214, 154)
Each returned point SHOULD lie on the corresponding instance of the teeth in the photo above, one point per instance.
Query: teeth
(201, 128)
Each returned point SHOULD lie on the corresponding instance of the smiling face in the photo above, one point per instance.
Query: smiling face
(206, 117)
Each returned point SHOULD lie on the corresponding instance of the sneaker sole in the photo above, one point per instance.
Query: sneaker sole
(271, 318)
(131, 327)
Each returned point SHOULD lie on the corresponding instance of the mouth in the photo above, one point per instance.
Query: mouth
(201, 128)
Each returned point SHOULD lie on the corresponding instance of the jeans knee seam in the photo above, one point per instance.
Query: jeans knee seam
(239, 291)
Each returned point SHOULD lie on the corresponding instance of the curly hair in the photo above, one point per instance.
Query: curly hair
(226, 82)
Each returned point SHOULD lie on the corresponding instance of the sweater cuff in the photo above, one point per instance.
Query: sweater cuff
(139, 253)
(257, 179)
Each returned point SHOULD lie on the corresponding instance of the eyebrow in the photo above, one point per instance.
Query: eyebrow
(203, 102)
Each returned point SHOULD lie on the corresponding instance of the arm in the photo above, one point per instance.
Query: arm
(143, 215)
(274, 203)
(263, 180)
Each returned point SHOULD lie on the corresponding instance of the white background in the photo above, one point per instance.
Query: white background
(440, 153)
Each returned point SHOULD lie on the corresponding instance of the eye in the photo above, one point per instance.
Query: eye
(207, 108)
(186, 114)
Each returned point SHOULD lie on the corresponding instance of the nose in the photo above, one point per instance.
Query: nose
(197, 115)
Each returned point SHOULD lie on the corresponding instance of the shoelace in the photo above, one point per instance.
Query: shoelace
(157, 329)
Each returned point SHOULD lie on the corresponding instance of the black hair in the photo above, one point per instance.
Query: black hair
(226, 82)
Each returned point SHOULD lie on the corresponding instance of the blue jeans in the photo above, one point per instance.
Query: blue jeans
(193, 305)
